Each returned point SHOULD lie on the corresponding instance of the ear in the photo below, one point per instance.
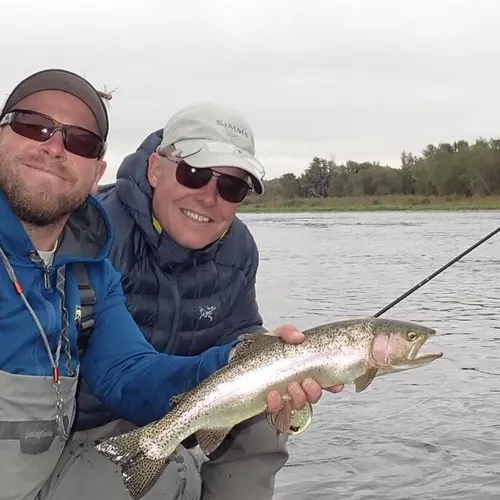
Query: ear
(154, 170)
(99, 172)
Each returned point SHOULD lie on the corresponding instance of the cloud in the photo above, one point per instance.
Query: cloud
(355, 80)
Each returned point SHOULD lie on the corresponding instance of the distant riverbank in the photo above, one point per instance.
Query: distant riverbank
(370, 204)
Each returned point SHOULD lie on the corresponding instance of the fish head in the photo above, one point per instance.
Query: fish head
(396, 346)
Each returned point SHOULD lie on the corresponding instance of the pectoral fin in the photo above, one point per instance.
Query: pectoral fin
(363, 381)
(210, 439)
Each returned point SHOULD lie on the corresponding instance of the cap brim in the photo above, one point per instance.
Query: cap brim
(65, 81)
(205, 154)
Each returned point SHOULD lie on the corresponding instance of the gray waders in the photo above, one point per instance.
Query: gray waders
(35, 464)
(30, 446)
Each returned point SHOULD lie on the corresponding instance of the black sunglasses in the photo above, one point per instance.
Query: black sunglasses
(230, 188)
(39, 127)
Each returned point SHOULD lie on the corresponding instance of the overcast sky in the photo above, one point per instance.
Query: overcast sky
(352, 79)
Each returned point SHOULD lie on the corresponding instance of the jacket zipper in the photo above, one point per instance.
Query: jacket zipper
(172, 342)
(49, 306)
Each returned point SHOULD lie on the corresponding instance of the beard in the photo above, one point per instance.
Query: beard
(39, 206)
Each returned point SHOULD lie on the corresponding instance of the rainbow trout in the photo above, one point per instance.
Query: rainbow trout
(345, 352)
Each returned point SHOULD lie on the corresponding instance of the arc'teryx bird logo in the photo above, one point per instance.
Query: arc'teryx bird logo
(207, 312)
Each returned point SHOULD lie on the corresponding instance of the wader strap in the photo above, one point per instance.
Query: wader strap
(87, 303)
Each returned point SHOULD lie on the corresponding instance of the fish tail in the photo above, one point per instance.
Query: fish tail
(139, 472)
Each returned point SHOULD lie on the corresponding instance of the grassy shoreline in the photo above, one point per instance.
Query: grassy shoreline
(371, 204)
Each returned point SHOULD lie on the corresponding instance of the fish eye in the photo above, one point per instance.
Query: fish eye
(411, 336)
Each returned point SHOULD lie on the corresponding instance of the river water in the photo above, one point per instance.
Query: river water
(431, 433)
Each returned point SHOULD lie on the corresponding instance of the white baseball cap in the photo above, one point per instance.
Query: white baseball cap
(208, 135)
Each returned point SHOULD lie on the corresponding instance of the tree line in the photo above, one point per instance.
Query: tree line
(460, 169)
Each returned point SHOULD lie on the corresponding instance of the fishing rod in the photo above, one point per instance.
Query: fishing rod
(434, 274)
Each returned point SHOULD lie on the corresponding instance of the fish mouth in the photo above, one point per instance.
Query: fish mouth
(417, 358)
(423, 359)
(410, 363)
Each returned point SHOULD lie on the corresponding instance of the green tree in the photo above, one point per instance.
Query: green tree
(290, 186)
(451, 168)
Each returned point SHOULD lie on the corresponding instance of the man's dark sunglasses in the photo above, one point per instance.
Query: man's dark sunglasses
(39, 127)
(230, 188)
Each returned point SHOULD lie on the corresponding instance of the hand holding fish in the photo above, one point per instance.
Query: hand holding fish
(309, 391)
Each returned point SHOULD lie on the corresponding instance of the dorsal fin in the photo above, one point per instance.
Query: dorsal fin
(175, 400)
(252, 343)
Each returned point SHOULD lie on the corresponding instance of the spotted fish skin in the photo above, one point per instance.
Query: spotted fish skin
(344, 352)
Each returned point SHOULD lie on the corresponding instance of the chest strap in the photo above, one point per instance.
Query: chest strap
(87, 302)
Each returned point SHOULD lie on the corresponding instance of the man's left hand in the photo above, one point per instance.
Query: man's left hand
(307, 392)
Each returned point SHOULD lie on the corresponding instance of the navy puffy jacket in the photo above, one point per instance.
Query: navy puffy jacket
(184, 301)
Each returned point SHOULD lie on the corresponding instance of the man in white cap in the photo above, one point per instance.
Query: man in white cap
(189, 269)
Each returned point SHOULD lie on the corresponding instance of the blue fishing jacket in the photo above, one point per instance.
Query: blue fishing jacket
(185, 301)
(119, 366)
